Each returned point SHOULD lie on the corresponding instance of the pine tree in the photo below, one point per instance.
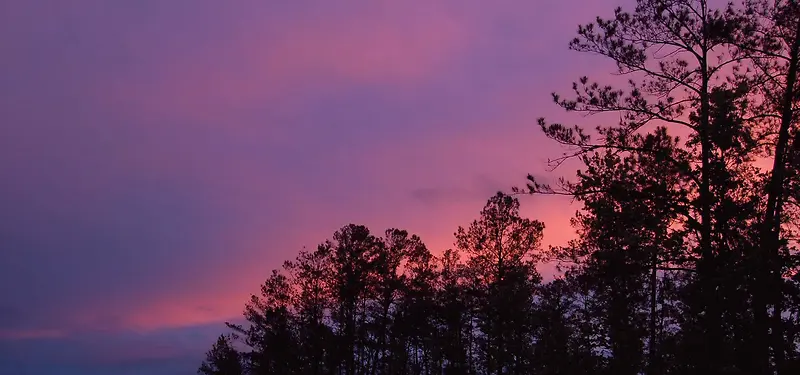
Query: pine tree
(222, 359)
(270, 333)
(502, 248)
(311, 303)
(673, 52)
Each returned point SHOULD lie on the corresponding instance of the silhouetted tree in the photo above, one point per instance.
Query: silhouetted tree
(270, 332)
(222, 359)
(311, 304)
(628, 241)
(771, 43)
(454, 318)
(677, 54)
(349, 279)
(385, 285)
(502, 248)
(415, 323)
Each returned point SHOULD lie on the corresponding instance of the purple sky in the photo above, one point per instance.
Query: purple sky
(158, 158)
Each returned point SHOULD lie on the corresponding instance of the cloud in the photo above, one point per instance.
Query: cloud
(259, 62)
(482, 187)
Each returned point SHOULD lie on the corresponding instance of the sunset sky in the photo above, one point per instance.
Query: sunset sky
(158, 158)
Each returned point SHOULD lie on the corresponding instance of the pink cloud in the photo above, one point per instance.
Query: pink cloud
(385, 43)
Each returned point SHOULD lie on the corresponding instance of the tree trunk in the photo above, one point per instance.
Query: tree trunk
(651, 350)
(707, 269)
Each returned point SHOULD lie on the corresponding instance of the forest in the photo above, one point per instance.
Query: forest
(685, 259)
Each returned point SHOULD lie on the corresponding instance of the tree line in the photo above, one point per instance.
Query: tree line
(686, 258)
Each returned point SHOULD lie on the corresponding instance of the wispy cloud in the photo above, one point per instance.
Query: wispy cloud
(255, 63)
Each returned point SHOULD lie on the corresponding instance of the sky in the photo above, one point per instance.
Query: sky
(159, 158)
